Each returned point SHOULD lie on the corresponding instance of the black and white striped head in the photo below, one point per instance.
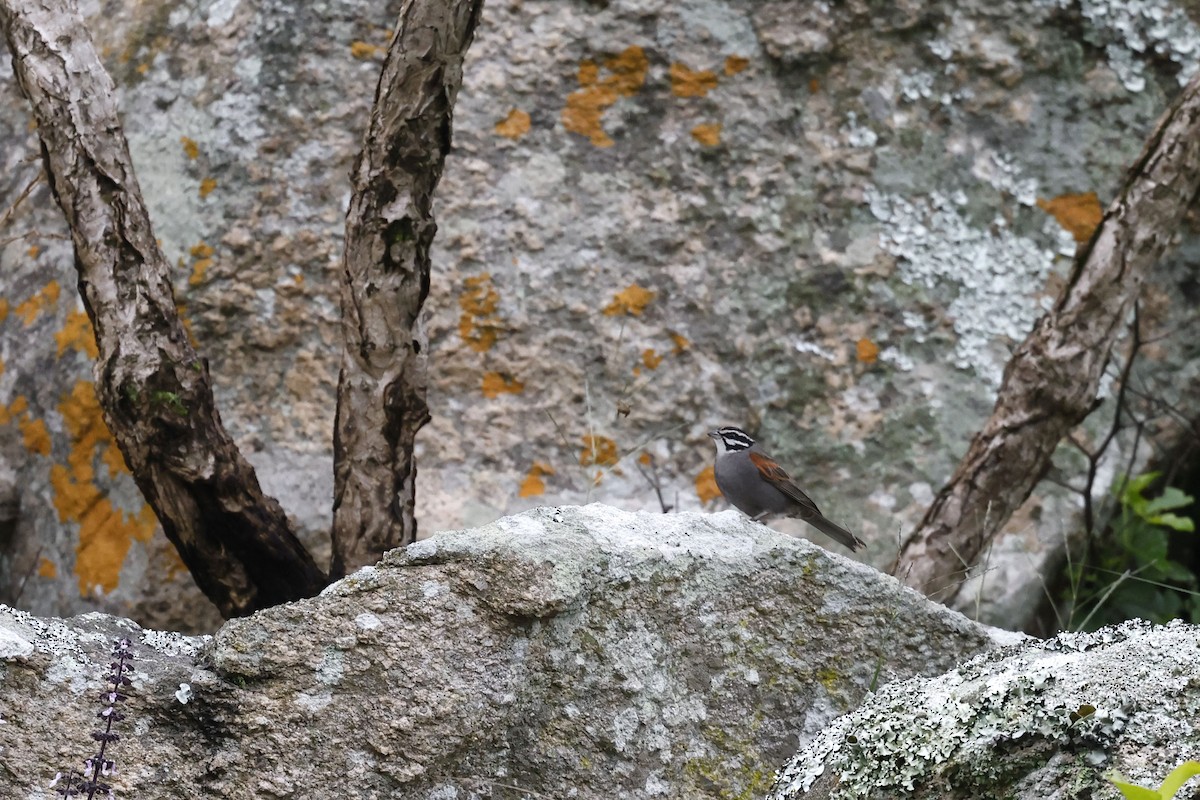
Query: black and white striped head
(731, 440)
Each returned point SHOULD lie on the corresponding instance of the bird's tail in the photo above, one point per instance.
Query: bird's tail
(836, 532)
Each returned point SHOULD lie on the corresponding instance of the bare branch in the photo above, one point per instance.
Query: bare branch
(389, 230)
(153, 387)
(1050, 384)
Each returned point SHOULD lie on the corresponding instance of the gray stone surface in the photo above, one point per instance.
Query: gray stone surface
(1042, 719)
(793, 184)
(564, 652)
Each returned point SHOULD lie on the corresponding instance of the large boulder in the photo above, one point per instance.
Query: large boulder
(1036, 720)
(827, 222)
(563, 652)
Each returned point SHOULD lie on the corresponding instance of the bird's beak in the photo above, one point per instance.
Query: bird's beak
(713, 434)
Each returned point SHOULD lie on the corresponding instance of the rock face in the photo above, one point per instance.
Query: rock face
(1035, 720)
(824, 222)
(563, 652)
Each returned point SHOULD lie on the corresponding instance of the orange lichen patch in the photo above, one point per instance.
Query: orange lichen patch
(707, 134)
(1079, 214)
(206, 187)
(866, 351)
(650, 358)
(679, 342)
(706, 485)
(33, 251)
(76, 333)
(364, 50)
(105, 532)
(477, 326)
(515, 125)
(3, 309)
(584, 108)
(686, 83)
(190, 148)
(181, 310)
(112, 458)
(31, 308)
(814, 86)
(16, 408)
(630, 300)
(37, 438)
(599, 450)
(203, 255)
(496, 384)
(735, 64)
(534, 485)
(645, 459)
(47, 568)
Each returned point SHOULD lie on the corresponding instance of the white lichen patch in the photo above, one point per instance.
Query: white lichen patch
(992, 274)
(333, 666)
(367, 621)
(170, 643)
(812, 348)
(1133, 31)
(13, 645)
(1095, 693)
(857, 135)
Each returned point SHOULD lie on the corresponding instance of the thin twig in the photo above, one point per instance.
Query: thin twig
(654, 481)
(1112, 588)
(12, 209)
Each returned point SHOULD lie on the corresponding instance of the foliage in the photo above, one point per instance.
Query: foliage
(1129, 572)
(1173, 783)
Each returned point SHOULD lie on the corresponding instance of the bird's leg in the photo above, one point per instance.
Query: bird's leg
(761, 517)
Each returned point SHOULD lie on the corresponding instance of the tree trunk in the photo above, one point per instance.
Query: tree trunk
(389, 230)
(1050, 384)
(152, 386)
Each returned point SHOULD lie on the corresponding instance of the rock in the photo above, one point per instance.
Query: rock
(564, 652)
(816, 220)
(1030, 721)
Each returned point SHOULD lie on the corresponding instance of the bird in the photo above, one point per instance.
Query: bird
(758, 487)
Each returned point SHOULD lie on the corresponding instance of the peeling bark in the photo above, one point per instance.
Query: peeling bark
(153, 388)
(389, 230)
(1050, 384)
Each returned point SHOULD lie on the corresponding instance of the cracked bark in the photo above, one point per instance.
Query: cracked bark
(153, 388)
(389, 230)
(1051, 381)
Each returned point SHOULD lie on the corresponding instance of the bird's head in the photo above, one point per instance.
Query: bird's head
(730, 440)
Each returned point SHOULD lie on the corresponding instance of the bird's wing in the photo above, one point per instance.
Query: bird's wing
(775, 475)
(808, 511)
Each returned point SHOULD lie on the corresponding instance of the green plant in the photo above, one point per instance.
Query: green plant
(1173, 783)
(171, 400)
(1129, 572)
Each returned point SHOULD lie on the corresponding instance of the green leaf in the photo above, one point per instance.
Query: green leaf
(1140, 483)
(1132, 791)
(1172, 521)
(1147, 545)
(1171, 498)
(1174, 572)
(1178, 777)
(1134, 488)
